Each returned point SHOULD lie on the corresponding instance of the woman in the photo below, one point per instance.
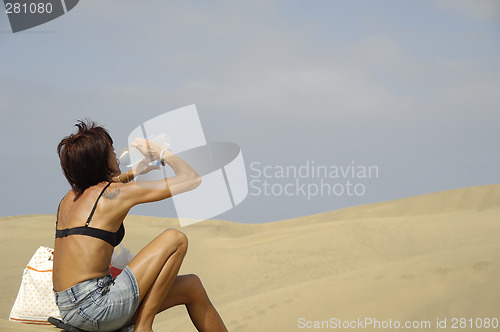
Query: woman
(89, 225)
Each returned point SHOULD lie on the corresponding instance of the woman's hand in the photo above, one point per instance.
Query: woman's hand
(150, 150)
(143, 167)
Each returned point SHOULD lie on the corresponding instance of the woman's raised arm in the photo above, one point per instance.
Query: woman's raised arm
(185, 179)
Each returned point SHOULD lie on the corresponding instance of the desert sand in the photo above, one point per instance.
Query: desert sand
(418, 259)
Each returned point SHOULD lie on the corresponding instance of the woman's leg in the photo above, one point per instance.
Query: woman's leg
(189, 290)
(155, 268)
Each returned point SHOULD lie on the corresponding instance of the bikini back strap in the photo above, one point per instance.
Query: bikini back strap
(95, 205)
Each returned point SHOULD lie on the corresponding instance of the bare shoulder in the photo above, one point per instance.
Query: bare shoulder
(112, 192)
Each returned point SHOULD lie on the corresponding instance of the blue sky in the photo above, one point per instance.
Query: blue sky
(411, 87)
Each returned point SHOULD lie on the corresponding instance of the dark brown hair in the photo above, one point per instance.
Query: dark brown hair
(84, 156)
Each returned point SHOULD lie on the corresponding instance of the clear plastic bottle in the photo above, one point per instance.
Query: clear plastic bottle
(161, 139)
(130, 156)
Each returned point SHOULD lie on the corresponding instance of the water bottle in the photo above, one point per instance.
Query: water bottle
(130, 156)
(161, 139)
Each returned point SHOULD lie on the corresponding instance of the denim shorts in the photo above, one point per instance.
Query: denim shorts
(101, 304)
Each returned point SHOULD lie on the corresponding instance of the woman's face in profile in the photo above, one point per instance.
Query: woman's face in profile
(113, 162)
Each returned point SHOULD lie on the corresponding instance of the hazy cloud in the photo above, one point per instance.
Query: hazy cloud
(479, 10)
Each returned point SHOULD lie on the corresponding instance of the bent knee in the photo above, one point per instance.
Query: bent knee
(194, 280)
(176, 237)
(196, 290)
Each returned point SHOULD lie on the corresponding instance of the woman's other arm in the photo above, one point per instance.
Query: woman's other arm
(185, 179)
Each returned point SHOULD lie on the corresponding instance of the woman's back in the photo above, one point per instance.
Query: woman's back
(79, 257)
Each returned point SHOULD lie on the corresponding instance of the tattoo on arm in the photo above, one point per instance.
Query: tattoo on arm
(111, 195)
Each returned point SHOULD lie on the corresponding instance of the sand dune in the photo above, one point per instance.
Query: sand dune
(416, 259)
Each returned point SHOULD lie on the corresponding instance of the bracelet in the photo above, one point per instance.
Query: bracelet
(119, 179)
(161, 156)
(128, 180)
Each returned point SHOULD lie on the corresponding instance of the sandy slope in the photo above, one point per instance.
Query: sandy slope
(421, 258)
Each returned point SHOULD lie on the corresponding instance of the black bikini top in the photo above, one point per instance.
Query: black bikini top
(112, 238)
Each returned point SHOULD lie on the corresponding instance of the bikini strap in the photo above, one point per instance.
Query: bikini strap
(95, 205)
